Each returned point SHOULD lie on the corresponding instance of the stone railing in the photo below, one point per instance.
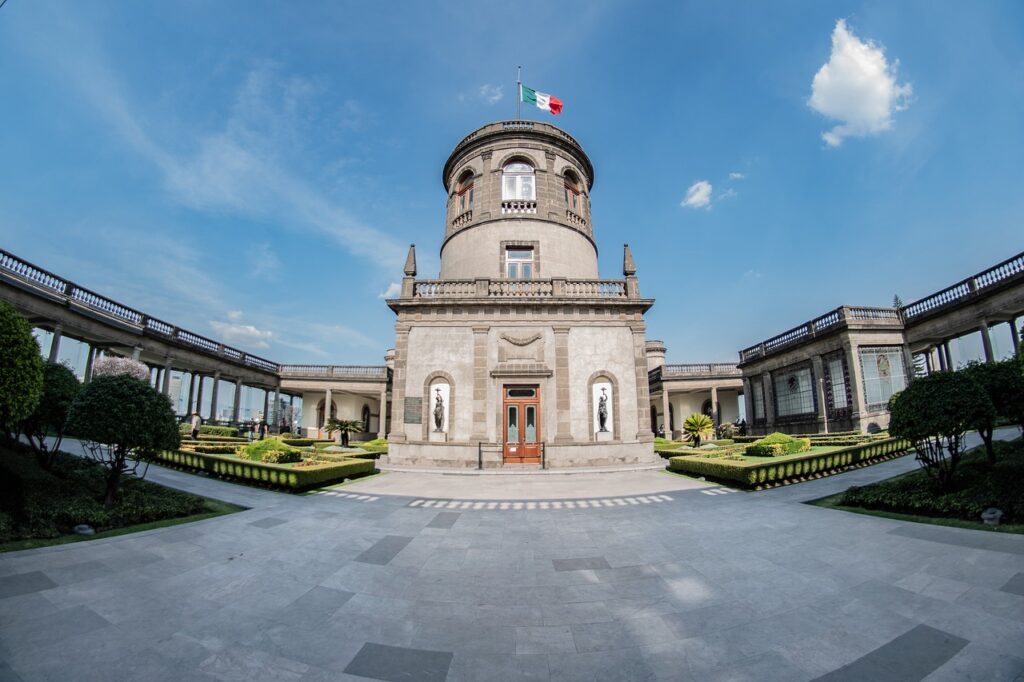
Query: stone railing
(463, 218)
(508, 207)
(827, 322)
(18, 269)
(706, 369)
(574, 219)
(512, 288)
(964, 290)
(333, 371)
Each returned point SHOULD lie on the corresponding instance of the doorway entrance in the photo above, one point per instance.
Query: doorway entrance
(521, 407)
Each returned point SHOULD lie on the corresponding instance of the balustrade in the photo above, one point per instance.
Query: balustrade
(574, 219)
(511, 288)
(511, 207)
(335, 371)
(700, 369)
(463, 219)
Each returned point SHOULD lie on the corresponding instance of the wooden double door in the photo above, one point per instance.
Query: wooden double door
(522, 436)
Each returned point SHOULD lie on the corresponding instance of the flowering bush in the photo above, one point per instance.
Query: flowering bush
(112, 366)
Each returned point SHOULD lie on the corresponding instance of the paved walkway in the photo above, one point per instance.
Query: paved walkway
(706, 585)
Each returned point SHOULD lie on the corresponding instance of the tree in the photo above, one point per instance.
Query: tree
(60, 388)
(1003, 382)
(21, 369)
(123, 423)
(111, 365)
(934, 413)
(345, 426)
(697, 427)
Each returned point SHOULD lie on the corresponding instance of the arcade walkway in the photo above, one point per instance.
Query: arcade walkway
(362, 585)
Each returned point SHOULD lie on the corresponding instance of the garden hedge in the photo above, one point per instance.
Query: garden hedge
(294, 478)
(305, 442)
(211, 448)
(776, 445)
(763, 474)
(210, 429)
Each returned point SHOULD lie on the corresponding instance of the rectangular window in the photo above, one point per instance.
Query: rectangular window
(883, 372)
(757, 393)
(837, 383)
(794, 392)
(518, 188)
(519, 263)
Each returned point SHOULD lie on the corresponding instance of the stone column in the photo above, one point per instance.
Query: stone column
(478, 432)
(949, 356)
(266, 405)
(563, 397)
(237, 406)
(58, 334)
(665, 409)
(769, 401)
(986, 341)
(397, 434)
(748, 402)
(199, 395)
(136, 352)
(714, 408)
(328, 399)
(213, 396)
(274, 418)
(909, 369)
(191, 393)
(818, 377)
(165, 385)
(643, 392)
(856, 382)
(383, 411)
(90, 357)
(1014, 334)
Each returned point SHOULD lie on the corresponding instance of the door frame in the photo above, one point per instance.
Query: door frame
(524, 454)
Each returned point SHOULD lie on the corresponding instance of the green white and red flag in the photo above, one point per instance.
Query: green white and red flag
(541, 100)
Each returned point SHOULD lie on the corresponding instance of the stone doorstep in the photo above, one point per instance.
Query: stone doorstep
(523, 469)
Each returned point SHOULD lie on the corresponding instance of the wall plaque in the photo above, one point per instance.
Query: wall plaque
(414, 410)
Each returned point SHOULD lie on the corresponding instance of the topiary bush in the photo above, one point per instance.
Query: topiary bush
(272, 450)
(21, 369)
(123, 422)
(776, 445)
(934, 413)
(60, 388)
(112, 365)
(1003, 382)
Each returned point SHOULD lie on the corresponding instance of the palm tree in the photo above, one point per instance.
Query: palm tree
(698, 427)
(345, 426)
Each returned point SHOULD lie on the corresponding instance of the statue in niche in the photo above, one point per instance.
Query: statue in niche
(602, 410)
(438, 410)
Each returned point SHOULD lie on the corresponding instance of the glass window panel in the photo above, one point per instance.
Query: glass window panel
(522, 392)
(512, 434)
(531, 424)
(513, 271)
(527, 271)
(471, 197)
(508, 188)
(518, 167)
(757, 392)
(520, 254)
(526, 187)
(883, 373)
(794, 393)
(837, 382)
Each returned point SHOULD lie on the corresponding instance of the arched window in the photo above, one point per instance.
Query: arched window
(517, 182)
(464, 192)
(572, 192)
(365, 415)
(320, 413)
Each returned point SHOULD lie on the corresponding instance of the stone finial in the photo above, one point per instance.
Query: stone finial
(410, 262)
(628, 266)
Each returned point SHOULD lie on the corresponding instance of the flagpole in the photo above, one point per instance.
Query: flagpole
(519, 90)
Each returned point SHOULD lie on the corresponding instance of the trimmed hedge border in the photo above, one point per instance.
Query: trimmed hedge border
(305, 442)
(271, 475)
(758, 475)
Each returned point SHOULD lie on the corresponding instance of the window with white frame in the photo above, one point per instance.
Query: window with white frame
(883, 373)
(837, 383)
(519, 263)
(517, 182)
(794, 392)
(757, 395)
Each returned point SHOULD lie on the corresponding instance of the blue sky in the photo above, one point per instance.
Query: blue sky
(255, 171)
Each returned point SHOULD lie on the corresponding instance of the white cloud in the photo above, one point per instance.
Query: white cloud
(857, 87)
(698, 195)
(393, 291)
(737, 176)
(245, 335)
(727, 194)
(492, 94)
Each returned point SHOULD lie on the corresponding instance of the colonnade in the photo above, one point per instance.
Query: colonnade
(939, 358)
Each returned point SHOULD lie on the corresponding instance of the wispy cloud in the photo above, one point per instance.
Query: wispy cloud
(735, 175)
(857, 87)
(235, 332)
(393, 291)
(698, 195)
(487, 93)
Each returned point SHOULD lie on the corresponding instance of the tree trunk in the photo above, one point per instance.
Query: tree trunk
(113, 481)
(990, 452)
(344, 439)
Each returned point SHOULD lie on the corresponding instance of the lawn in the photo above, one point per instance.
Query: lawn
(40, 507)
(977, 487)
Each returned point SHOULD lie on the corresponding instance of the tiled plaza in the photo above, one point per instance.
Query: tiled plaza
(694, 583)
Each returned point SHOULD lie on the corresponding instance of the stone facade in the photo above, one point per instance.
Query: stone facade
(488, 327)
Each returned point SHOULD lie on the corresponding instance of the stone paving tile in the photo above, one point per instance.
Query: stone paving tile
(444, 520)
(384, 550)
(544, 640)
(24, 583)
(977, 663)
(396, 664)
(1015, 585)
(911, 656)
(580, 563)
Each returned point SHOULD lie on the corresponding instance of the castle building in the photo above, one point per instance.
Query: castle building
(519, 353)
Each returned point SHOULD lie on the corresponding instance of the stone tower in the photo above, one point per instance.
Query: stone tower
(519, 353)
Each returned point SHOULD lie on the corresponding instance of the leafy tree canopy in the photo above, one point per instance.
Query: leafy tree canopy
(21, 369)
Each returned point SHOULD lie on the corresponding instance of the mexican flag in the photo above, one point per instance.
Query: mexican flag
(541, 100)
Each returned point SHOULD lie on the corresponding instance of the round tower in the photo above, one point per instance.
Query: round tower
(518, 205)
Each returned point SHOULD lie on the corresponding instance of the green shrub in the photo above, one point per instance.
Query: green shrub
(752, 473)
(212, 448)
(274, 475)
(21, 369)
(281, 457)
(259, 448)
(211, 430)
(60, 388)
(778, 444)
(1003, 382)
(306, 442)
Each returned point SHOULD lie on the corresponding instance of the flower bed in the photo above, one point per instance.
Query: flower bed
(290, 476)
(758, 473)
